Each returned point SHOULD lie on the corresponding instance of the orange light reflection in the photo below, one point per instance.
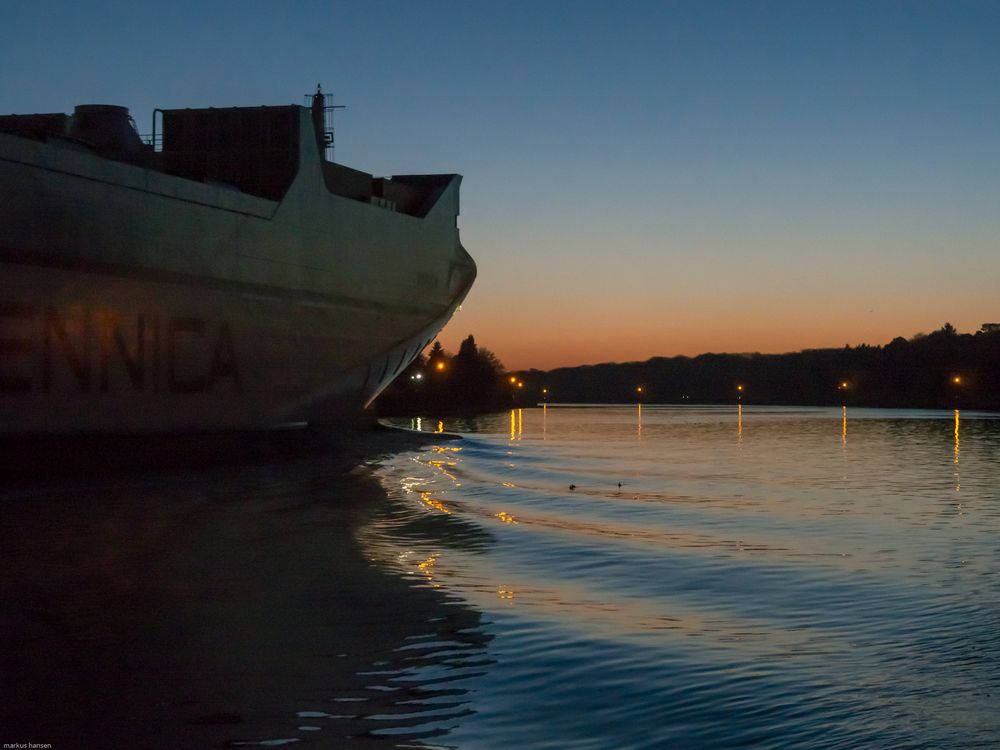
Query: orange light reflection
(958, 479)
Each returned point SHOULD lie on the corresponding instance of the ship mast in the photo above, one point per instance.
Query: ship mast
(322, 107)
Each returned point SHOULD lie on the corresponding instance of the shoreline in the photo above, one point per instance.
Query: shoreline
(41, 457)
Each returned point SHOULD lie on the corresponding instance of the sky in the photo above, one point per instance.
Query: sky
(640, 178)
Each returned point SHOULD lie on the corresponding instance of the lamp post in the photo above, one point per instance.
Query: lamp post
(957, 383)
(516, 387)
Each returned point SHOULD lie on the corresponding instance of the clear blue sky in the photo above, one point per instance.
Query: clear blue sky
(640, 178)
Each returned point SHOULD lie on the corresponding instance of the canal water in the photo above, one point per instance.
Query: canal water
(660, 577)
(585, 577)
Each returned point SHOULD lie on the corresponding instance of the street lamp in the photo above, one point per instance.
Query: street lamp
(958, 383)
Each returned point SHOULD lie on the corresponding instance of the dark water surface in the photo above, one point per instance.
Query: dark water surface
(763, 578)
(219, 607)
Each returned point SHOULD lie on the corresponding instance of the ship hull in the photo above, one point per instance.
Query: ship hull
(104, 353)
(139, 303)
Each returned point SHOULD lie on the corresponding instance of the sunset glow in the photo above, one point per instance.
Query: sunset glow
(684, 178)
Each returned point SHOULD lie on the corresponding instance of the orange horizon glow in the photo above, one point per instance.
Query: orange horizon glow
(551, 348)
(607, 309)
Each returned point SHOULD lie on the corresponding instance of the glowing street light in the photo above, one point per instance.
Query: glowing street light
(513, 379)
(958, 384)
(440, 365)
(739, 388)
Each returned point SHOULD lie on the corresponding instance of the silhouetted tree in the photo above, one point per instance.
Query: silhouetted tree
(437, 354)
(477, 374)
(467, 383)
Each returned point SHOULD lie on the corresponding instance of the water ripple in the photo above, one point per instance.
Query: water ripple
(712, 578)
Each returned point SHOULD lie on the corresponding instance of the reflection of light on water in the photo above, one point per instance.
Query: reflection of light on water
(427, 568)
(545, 416)
(515, 424)
(739, 423)
(440, 426)
(419, 425)
(843, 439)
(409, 483)
(442, 466)
(440, 462)
(777, 518)
(638, 429)
(958, 480)
(432, 502)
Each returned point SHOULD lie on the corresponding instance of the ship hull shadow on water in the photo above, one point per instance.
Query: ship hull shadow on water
(219, 607)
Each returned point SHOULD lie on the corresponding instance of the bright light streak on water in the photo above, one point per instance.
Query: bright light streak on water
(716, 577)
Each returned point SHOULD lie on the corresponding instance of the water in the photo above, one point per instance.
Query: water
(606, 577)
(763, 577)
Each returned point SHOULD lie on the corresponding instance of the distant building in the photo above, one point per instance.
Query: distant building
(990, 328)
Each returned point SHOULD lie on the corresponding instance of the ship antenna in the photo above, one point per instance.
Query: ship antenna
(322, 112)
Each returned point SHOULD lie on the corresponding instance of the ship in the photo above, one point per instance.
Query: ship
(223, 274)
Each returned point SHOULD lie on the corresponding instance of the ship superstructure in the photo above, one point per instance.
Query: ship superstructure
(225, 277)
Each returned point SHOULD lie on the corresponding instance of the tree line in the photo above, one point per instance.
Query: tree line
(943, 369)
